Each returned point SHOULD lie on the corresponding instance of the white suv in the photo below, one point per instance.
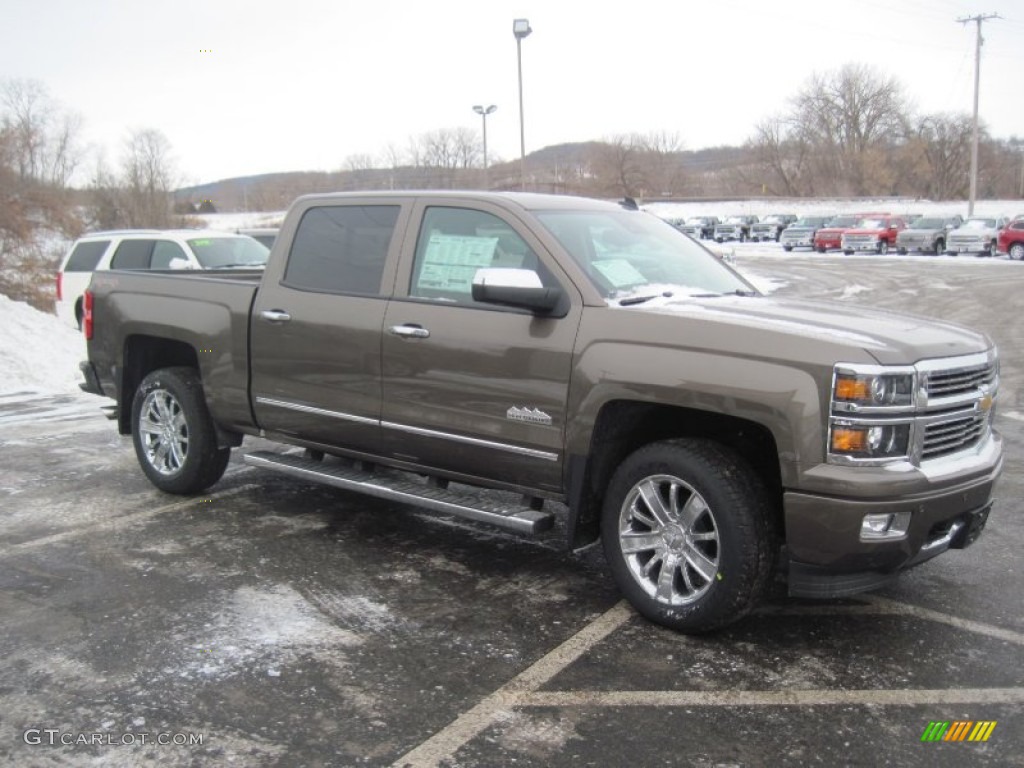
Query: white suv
(148, 249)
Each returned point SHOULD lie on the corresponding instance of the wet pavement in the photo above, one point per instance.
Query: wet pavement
(276, 623)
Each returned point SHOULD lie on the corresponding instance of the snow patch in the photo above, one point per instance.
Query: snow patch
(39, 352)
(261, 630)
(852, 290)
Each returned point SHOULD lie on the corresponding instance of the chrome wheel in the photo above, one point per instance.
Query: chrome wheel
(669, 540)
(1016, 251)
(164, 432)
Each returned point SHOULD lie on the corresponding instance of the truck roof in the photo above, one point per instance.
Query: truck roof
(525, 200)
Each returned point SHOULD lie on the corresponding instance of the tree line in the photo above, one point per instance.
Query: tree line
(847, 132)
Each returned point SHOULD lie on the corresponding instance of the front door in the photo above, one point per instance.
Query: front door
(473, 388)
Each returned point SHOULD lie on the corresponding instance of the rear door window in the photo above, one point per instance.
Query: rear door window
(86, 256)
(341, 249)
(132, 254)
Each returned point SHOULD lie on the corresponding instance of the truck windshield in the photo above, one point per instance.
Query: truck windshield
(843, 221)
(626, 253)
(928, 224)
(228, 252)
(872, 224)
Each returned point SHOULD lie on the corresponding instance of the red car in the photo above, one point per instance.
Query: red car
(1011, 239)
(874, 234)
(830, 236)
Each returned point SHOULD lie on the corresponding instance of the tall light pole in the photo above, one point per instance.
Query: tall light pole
(484, 112)
(977, 82)
(521, 29)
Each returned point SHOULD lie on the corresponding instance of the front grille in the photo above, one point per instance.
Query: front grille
(951, 436)
(960, 381)
(859, 238)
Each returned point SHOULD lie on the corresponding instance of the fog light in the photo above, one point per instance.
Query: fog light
(884, 527)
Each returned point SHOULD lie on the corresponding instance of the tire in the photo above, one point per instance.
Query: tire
(1016, 251)
(901, 251)
(883, 247)
(940, 246)
(787, 248)
(175, 440)
(721, 559)
(992, 250)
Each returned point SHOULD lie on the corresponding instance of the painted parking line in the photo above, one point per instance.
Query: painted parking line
(464, 728)
(824, 697)
(523, 690)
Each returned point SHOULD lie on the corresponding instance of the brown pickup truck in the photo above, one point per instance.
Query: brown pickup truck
(509, 357)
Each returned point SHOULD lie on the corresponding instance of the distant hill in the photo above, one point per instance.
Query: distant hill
(565, 168)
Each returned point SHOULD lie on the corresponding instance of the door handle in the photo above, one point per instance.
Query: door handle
(411, 331)
(275, 316)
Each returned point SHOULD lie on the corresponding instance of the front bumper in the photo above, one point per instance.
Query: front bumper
(828, 558)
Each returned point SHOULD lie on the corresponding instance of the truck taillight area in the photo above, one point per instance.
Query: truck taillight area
(60, 286)
(87, 314)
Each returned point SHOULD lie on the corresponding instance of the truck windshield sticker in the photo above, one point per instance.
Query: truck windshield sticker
(451, 261)
(619, 272)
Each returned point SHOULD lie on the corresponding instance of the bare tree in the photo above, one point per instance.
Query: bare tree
(148, 178)
(945, 148)
(42, 138)
(850, 118)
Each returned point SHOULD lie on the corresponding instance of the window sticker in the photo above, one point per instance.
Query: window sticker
(451, 261)
(619, 272)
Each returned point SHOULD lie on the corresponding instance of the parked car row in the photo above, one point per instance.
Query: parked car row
(869, 232)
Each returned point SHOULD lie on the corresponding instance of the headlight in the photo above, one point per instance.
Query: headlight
(872, 412)
(853, 391)
(869, 442)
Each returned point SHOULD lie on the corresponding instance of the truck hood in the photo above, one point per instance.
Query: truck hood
(864, 231)
(891, 338)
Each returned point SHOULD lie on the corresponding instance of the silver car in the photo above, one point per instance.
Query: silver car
(927, 234)
(978, 235)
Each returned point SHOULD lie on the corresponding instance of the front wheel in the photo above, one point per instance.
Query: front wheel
(687, 534)
(940, 246)
(1016, 251)
(175, 440)
(883, 247)
(787, 248)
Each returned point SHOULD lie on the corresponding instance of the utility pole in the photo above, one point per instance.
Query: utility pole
(977, 80)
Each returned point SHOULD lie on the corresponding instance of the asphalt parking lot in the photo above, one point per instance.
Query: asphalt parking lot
(276, 623)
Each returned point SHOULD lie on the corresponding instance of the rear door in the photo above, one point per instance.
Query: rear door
(316, 324)
(472, 388)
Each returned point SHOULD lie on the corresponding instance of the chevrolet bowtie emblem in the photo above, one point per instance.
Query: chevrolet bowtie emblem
(985, 403)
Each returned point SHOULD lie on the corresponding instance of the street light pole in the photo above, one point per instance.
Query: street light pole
(521, 29)
(483, 111)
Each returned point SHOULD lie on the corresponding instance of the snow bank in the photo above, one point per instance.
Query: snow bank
(39, 353)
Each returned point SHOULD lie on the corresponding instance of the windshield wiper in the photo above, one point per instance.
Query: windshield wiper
(631, 300)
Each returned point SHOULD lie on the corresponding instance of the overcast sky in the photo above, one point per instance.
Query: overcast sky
(257, 86)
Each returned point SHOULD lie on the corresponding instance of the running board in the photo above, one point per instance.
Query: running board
(520, 519)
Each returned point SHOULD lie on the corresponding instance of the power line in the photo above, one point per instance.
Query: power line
(977, 81)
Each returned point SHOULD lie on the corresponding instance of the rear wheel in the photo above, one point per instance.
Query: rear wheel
(175, 440)
(1016, 251)
(687, 534)
(940, 246)
(787, 248)
(901, 251)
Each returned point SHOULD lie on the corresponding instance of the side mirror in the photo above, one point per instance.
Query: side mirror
(179, 263)
(521, 288)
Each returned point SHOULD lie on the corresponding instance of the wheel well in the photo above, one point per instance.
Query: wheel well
(624, 426)
(142, 356)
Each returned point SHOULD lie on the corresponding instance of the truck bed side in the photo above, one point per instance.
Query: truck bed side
(144, 321)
